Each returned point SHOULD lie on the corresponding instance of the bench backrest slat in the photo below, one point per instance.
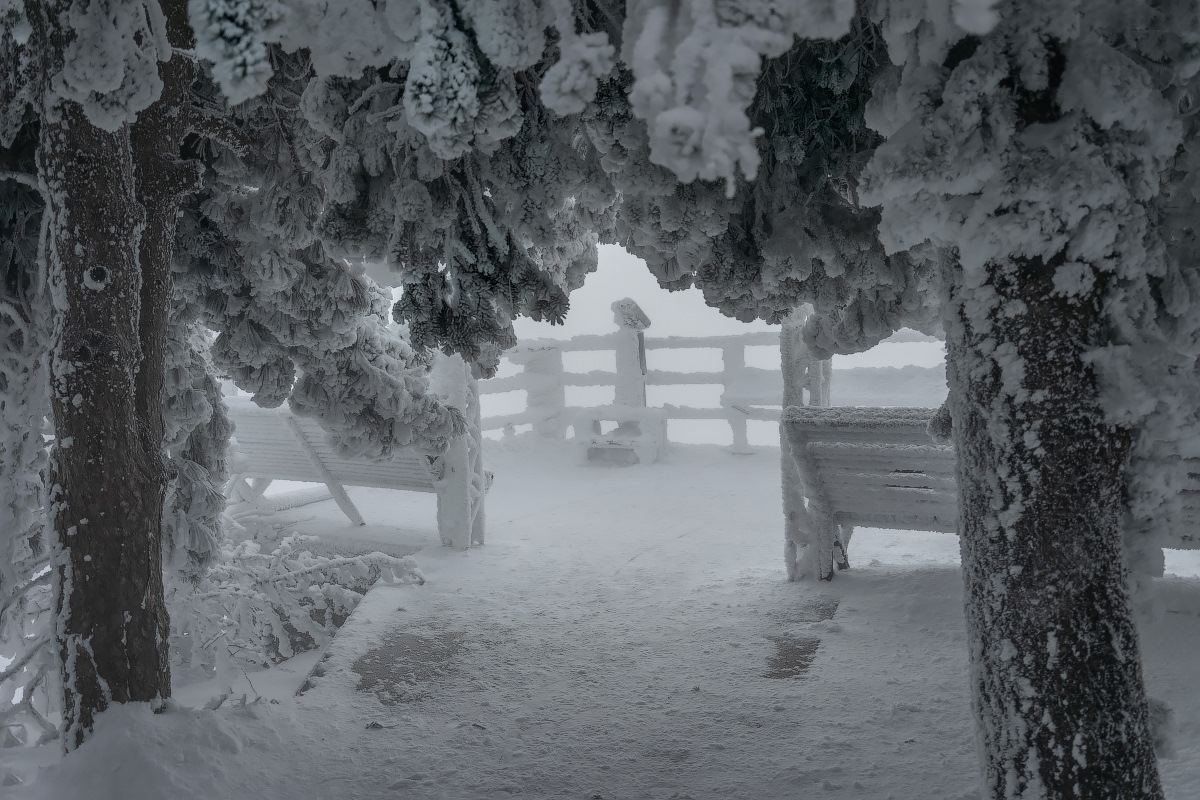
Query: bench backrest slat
(270, 449)
(874, 466)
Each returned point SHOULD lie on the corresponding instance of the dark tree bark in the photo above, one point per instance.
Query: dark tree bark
(1055, 664)
(108, 488)
(163, 179)
(109, 265)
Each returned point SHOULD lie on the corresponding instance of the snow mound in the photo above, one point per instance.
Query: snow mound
(179, 754)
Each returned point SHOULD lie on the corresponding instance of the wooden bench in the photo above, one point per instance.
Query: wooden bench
(274, 444)
(874, 467)
(878, 468)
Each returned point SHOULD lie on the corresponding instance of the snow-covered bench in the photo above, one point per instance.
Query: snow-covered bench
(878, 467)
(274, 444)
(873, 467)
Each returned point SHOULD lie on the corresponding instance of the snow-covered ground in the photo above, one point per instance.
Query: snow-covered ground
(625, 633)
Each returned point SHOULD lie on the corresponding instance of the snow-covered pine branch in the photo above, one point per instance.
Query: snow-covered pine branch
(293, 323)
(258, 608)
(26, 596)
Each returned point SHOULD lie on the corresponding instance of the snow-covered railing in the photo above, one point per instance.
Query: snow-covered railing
(748, 393)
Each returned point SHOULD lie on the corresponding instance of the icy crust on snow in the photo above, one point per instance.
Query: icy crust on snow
(584, 630)
(135, 752)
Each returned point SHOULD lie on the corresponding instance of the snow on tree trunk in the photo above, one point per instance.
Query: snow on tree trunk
(107, 474)
(1041, 161)
(1060, 703)
(107, 485)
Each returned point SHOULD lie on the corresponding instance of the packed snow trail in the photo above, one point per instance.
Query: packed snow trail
(625, 633)
(621, 647)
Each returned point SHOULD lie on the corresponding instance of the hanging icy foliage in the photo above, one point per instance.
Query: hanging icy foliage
(507, 229)
(197, 433)
(798, 232)
(293, 323)
(233, 35)
(696, 65)
(110, 66)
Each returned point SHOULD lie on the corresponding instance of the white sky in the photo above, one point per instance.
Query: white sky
(623, 275)
(682, 314)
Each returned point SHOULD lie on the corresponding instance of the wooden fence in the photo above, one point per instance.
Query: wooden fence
(747, 393)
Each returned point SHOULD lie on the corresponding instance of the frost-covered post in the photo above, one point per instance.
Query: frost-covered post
(462, 482)
(733, 361)
(631, 353)
(803, 372)
(545, 392)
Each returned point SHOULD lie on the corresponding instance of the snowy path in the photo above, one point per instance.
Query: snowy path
(617, 645)
(626, 633)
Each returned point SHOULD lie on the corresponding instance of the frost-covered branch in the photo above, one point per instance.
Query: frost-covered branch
(266, 607)
(31, 652)
(28, 179)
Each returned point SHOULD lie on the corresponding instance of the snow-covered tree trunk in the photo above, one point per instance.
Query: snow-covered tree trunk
(107, 485)
(107, 473)
(1060, 704)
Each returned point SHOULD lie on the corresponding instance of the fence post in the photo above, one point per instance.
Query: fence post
(631, 353)
(802, 372)
(733, 361)
(544, 388)
(796, 363)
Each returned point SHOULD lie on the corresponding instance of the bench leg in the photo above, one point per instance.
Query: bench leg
(239, 490)
(343, 501)
(841, 546)
(811, 544)
(479, 489)
(454, 496)
(477, 525)
(796, 537)
(335, 489)
(251, 491)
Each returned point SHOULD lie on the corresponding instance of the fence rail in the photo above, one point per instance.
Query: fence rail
(747, 393)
